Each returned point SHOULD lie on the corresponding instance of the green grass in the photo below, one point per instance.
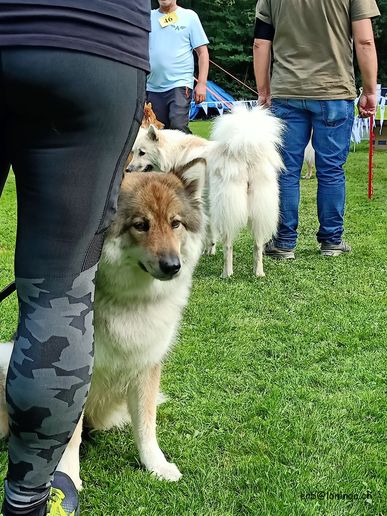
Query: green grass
(277, 386)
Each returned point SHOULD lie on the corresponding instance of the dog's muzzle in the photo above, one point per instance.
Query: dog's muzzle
(169, 265)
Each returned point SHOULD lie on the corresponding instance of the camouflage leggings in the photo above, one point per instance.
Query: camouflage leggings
(67, 122)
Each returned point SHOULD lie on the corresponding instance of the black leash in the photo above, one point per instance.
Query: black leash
(7, 291)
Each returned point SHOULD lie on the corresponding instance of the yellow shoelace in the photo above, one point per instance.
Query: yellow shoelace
(54, 506)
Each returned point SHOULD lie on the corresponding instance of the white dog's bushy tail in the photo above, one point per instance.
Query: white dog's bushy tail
(243, 170)
(249, 134)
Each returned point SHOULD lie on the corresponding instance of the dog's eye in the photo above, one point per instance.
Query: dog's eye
(175, 224)
(142, 225)
(141, 153)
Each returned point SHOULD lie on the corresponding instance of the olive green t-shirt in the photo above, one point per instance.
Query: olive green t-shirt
(313, 47)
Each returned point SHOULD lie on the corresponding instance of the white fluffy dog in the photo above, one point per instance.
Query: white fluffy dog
(243, 162)
(243, 180)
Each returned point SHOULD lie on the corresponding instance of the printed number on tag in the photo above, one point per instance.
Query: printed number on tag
(168, 19)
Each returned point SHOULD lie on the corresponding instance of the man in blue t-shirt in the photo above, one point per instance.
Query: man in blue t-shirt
(176, 32)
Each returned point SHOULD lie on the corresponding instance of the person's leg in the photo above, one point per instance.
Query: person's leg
(70, 129)
(332, 125)
(295, 138)
(160, 108)
(179, 103)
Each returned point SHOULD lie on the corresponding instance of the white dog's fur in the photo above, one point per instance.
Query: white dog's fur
(310, 160)
(136, 314)
(243, 162)
(243, 180)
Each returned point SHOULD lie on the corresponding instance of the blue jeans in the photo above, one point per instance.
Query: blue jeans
(331, 121)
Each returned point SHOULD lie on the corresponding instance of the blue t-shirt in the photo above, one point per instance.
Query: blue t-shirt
(170, 49)
(115, 29)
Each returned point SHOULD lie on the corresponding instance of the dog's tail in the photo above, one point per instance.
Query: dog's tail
(249, 136)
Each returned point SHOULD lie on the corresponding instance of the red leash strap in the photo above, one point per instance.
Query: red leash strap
(370, 160)
(235, 78)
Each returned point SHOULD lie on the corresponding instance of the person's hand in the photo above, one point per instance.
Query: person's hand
(200, 92)
(367, 104)
(264, 99)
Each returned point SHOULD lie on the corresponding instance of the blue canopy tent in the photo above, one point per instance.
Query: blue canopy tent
(217, 101)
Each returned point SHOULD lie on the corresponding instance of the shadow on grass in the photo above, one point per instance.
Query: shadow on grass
(4, 445)
(102, 445)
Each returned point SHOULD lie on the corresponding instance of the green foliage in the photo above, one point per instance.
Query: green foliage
(230, 28)
(380, 25)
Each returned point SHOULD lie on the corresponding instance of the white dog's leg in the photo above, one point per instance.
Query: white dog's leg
(309, 172)
(258, 260)
(211, 240)
(142, 400)
(69, 462)
(228, 259)
(3, 417)
(211, 248)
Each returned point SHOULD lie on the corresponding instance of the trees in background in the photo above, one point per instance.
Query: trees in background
(229, 25)
(380, 25)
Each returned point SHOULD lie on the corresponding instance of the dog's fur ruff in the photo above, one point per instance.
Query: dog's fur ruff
(243, 162)
(139, 300)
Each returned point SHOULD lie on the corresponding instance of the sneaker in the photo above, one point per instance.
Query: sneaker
(39, 510)
(63, 499)
(328, 249)
(278, 253)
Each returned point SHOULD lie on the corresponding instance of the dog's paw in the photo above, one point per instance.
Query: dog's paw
(73, 473)
(211, 250)
(259, 270)
(78, 483)
(166, 471)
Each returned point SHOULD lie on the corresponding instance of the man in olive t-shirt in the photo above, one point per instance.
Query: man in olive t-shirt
(312, 88)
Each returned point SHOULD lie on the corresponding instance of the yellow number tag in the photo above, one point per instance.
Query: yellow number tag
(168, 19)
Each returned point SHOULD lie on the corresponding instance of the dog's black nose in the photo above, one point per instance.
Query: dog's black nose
(169, 265)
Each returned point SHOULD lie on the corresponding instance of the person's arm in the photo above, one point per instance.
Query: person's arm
(263, 37)
(363, 38)
(262, 62)
(203, 64)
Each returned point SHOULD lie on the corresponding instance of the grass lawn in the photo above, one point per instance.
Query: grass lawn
(277, 386)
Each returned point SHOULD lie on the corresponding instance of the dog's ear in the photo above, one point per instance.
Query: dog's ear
(193, 177)
(153, 133)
